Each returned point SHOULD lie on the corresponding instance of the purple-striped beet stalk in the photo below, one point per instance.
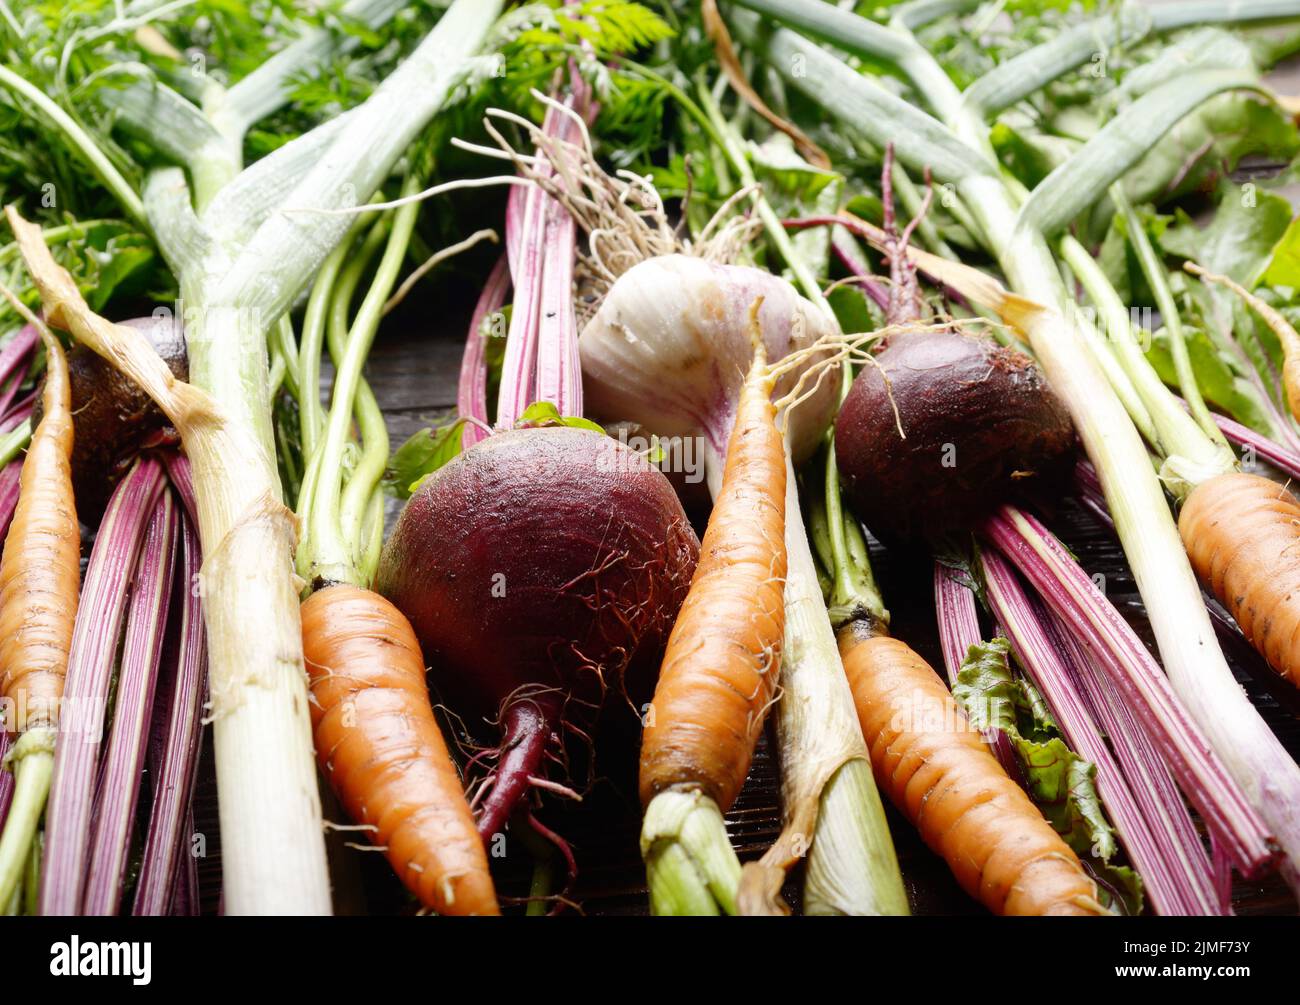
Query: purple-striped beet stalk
(174, 758)
(1177, 879)
(1073, 596)
(137, 680)
(104, 592)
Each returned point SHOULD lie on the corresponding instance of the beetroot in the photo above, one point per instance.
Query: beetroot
(542, 571)
(980, 423)
(113, 420)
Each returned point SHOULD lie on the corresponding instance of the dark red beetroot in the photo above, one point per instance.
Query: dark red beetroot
(980, 421)
(114, 420)
(542, 570)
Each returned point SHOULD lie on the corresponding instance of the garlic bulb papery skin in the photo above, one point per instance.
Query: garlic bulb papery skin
(669, 347)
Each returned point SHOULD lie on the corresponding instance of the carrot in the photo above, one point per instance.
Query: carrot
(720, 667)
(937, 769)
(40, 575)
(380, 747)
(1242, 533)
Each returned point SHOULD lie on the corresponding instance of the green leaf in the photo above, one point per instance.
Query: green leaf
(544, 413)
(1239, 240)
(1221, 381)
(1248, 234)
(1210, 141)
(422, 454)
(1060, 782)
(1118, 886)
(1063, 785)
(1029, 156)
(987, 690)
(854, 310)
(124, 268)
(1283, 267)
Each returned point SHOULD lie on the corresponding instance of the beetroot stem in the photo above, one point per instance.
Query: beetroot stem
(90, 664)
(119, 788)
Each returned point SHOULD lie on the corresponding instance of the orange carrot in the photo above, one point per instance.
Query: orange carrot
(380, 747)
(720, 667)
(1242, 533)
(40, 576)
(937, 769)
(40, 570)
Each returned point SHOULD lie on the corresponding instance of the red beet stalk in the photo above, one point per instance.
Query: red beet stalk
(142, 647)
(104, 593)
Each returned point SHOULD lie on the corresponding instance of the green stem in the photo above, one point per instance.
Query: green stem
(57, 235)
(855, 589)
(330, 548)
(15, 441)
(81, 141)
(539, 889)
(32, 761)
(776, 232)
(32, 881)
(691, 868)
(1173, 432)
(285, 346)
(311, 415)
(373, 535)
(1154, 271)
(329, 326)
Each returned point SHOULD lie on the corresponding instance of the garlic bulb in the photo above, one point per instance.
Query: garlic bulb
(669, 347)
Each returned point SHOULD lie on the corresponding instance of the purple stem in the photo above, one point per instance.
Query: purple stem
(867, 232)
(559, 368)
(185, 900)
(1068, 590)
(1090, 493)
(119, 787)
(515, 209)
(174, 761)
(1149, 779)
(959, 629)
(6, 780)
(526, 232)
(527, 731)
(1177, 879)
(182, 479)
(15, 359)
(16, 412)
(542, 362)
(959, 623)
(9, 476)
(1222, 875)
(845, 248)
(90, 664)
(1275, 453)
(471, 391)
